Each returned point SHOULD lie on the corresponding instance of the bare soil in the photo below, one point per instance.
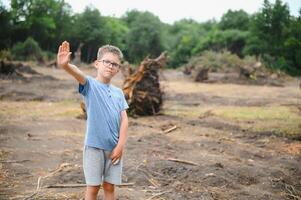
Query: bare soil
(42, 137)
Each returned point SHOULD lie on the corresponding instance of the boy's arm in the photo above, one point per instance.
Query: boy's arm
(117, 151)
(63, 59)
(123, 129)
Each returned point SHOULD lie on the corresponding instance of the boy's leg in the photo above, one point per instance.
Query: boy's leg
(93, 164)
(108, 190)
(112, 176)
(91, 192)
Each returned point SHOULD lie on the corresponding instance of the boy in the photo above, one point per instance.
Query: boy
(107, 121)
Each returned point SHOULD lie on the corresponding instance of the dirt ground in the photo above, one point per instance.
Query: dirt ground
(240, 141)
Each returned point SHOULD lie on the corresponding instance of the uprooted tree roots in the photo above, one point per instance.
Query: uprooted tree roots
(142, 87)
(12, 69)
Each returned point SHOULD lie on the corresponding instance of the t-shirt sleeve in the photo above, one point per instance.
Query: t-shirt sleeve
(124, 104)
(84, 89)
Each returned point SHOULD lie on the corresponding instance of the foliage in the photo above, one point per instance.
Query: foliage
(144, 36)
(235, 20)
(216, 61)
(5, 55)
(27, 50)
(275, 36)
(6, 27)
(232, 39)
(47, 21)
(117, 31)
(271, 33)
(89, 29)
(183, 36)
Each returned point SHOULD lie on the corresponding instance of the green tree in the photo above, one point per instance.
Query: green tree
(292, 45)
(183, 35)
(44, 20)
(6, 27)
(117, 32)
(270, 28)
(274, 36)
(90, 30)
(235, 20)
(27, 50)
(144, 37)
(218, 40)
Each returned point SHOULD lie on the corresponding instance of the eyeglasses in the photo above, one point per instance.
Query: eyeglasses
(107, 63)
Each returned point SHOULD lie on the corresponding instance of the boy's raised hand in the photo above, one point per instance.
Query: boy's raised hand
(63, 55)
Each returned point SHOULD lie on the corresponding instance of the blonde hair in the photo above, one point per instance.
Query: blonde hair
(109, 49)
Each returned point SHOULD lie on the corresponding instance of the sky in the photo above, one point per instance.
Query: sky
(170, 11)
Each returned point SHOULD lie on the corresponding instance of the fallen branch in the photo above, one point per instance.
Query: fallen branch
(37, 190)
(125, 184)
(81, 185)
(58, 169)
(149, 177)
(154, 182)
(50, 174)
(65, 186)
(292, 191)
(13, 161)
(170, 129)
(159, 194)
(183, 161)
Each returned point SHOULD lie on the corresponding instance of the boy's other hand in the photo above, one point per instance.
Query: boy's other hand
(63, 55)
(116, 154)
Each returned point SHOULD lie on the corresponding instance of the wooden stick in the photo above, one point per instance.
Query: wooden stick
(159, 194)
(40, 178)
(58, 169)
(170, 129)
(37, 190)
(13, 161)
(66, 186)
(81, 185)
(154, 182)
(183, 161)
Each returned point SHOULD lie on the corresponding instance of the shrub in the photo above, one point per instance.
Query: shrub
(216, 61)
(28, 50)
(5, 55)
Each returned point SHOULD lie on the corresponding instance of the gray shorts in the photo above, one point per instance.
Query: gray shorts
(98, 167)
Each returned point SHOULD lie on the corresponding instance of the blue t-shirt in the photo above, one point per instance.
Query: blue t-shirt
(104, 103)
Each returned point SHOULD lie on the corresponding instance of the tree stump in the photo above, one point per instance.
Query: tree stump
(142, 87)
(200, 74)
(77, 54)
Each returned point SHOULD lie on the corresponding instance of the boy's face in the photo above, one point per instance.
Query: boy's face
(108, 65)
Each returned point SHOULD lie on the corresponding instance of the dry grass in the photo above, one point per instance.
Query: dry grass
(281, 120)
(232, 90)
(37, 109)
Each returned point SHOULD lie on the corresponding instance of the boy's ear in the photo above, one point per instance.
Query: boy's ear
(96, 64)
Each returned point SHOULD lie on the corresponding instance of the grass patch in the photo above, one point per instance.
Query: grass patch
(280, 120)
(183, 110)
(38, 109)
(257, 113)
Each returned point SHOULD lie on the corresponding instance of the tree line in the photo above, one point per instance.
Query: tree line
(271, 34)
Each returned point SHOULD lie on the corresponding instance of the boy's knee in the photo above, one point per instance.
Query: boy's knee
(108, 187)
(93, 190)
